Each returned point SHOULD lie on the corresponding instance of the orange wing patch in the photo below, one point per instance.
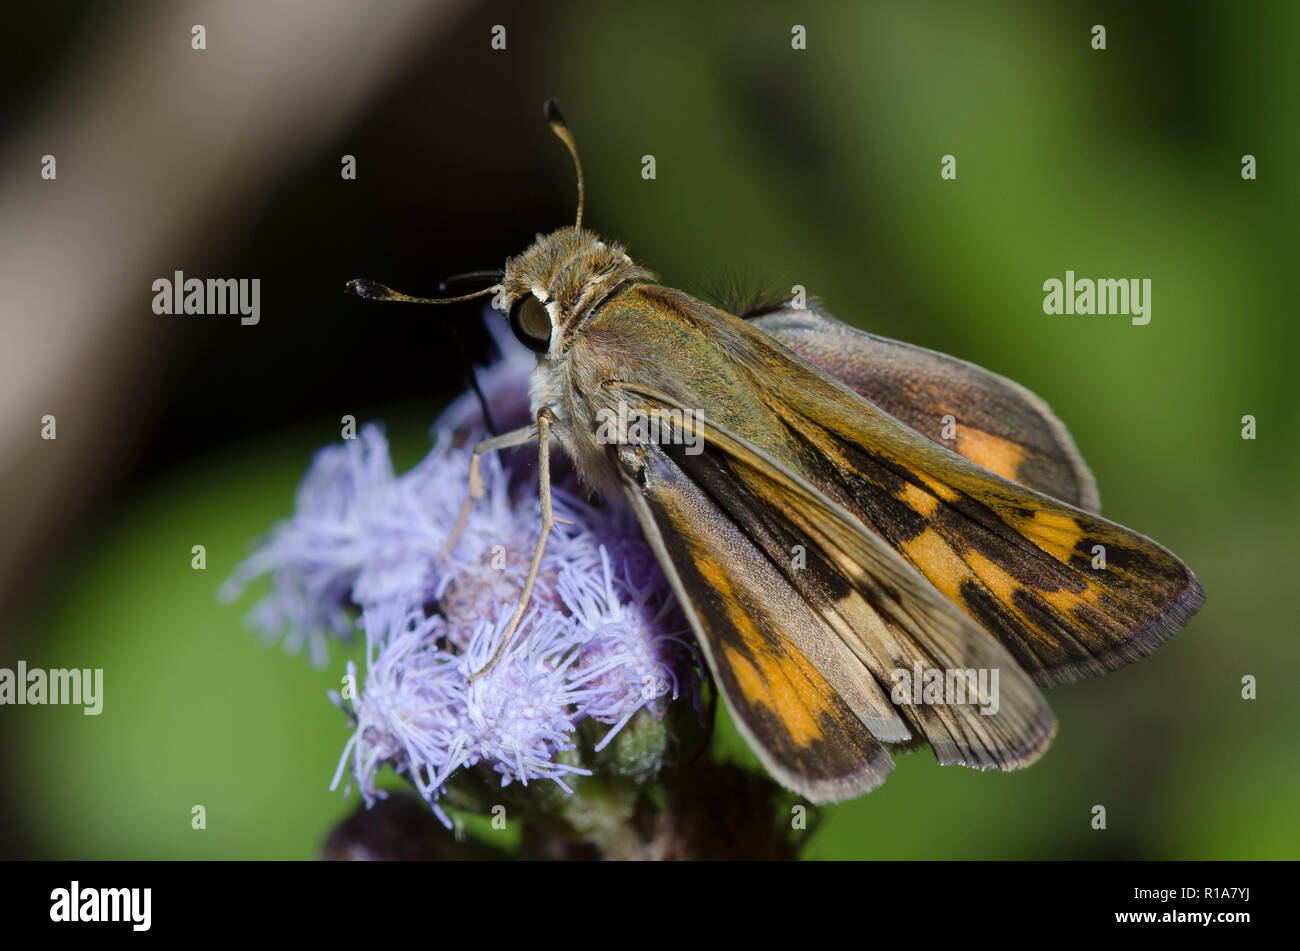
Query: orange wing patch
(795, 692)
(992, 452)
(1057, 533)
(941, 564)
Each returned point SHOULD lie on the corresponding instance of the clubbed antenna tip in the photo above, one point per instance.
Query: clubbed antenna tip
(561, 129)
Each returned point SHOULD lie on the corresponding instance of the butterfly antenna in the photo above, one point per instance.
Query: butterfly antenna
(561, 129)
(373, 290)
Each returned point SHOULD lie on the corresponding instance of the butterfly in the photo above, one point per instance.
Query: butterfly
(877, 546)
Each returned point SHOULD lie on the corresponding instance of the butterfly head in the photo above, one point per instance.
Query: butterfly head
(552, 286)
(563, 276)
(560, 279)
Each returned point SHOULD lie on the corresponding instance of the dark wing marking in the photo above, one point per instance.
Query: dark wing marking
(1000, 425)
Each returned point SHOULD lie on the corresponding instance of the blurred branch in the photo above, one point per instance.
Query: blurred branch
(154, 170)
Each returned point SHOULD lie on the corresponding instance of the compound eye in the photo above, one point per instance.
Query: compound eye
(531, 323)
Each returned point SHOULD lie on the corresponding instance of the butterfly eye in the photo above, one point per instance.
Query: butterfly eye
(531, 323)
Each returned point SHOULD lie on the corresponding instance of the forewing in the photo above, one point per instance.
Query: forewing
(999, 424)
(1069, 593)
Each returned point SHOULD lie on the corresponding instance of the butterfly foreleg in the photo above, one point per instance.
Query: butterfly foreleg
(517, 437)
(545, 420)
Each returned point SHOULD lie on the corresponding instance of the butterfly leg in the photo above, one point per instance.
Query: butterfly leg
(545, 418)
(517, 437)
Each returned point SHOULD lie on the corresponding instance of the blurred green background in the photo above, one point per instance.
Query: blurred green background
(817, 167)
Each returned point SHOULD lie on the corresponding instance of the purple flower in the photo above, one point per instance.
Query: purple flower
(359, 536)
(601, 639)
(630, 659)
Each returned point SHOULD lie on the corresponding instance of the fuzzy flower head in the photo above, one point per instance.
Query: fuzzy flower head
(602, 637)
